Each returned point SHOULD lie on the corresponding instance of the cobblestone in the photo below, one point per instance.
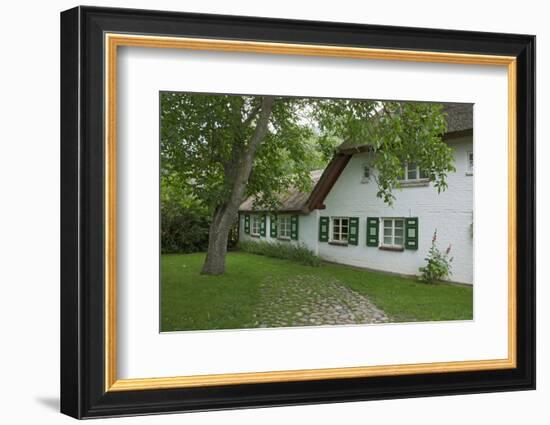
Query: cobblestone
(309, 301)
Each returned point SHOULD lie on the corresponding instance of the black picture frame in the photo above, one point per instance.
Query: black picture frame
(82, 219)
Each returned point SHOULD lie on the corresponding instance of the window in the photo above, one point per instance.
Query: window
(365, 178)
(412, 171)
(393, 232)
(470, 169)
(283, 226)
(255, 227)
(366, 171)
(340, 227)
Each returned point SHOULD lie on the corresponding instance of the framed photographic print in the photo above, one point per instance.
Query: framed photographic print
(261, 212)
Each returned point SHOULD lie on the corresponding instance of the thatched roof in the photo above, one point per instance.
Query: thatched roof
(460, 117)
(291, 201)
(459, 121)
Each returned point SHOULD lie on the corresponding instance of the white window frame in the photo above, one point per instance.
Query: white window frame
(393, 235)
(470, 163)
(417, 177)
(341, 234)
(255, 225)
(284, 227)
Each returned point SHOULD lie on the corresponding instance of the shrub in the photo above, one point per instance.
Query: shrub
(185, 219)
(287, 251)
(183, 230)
(438, 265)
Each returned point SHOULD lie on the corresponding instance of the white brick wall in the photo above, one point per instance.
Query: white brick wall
(450, 212)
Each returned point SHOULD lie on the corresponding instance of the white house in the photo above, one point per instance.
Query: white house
(343, 221)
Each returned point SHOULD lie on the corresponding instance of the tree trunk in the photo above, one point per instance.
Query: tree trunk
(217, 241)
(226, 213)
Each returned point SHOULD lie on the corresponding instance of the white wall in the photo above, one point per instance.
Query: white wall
(29, 225)
(450, 212)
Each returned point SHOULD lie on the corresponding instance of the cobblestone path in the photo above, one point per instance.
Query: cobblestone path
(309, 301)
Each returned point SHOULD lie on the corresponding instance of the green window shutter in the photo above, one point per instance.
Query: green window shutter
(353, 231)
(273, 225)
(411, 233)
(323, 229)
(247, 224)
(372, 231)
(294, 227)
(262, 225)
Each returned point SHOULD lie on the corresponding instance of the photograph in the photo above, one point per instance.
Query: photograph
(281, 212)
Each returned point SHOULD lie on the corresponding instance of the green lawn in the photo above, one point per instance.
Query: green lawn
(191, 301)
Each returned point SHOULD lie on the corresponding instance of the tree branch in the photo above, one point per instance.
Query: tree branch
(242, 168)
(252, 114)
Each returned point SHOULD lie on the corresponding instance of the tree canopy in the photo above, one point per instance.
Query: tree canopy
(201, 134)
(202, 137)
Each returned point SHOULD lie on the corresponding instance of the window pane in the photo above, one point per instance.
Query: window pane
(398, 241)
(366, 171)
(388, 223)
(399, 232)
(284, 226)
(387, 232)
(398, 223)
(255, 225)
(284, 231)
(423, 174)
(387, 240)
(411, 174)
